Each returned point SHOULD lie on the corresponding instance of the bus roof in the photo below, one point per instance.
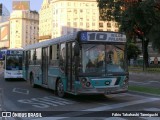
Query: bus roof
(68, 37)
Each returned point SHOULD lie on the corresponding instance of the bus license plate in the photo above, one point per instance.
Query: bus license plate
(109, 90)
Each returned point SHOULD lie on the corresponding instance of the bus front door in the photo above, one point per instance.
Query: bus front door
(45, 66)
(70, 67)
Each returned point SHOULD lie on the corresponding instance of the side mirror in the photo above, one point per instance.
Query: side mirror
(76, 49)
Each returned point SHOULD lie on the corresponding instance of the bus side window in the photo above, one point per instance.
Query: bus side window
(53, 55)
(29, 57)
(62, 57)
(38, 56)
(33, 56)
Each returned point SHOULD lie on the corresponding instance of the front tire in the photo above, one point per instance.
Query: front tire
(60, 88)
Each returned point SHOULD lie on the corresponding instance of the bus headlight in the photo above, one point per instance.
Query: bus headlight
(83, 80)
(88, 84)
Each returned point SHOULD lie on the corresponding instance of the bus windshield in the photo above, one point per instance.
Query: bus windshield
(100, 59)
(14, 62)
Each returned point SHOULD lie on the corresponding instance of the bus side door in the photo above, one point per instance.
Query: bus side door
(45, 65)
(70, 66)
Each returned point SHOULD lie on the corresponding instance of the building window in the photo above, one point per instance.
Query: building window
(75, 11)
(81, 10)
(81, 19)
(87, 25)
(108, 24)
(75, 24)
(69, 3)
(100, 24)
(68, 23)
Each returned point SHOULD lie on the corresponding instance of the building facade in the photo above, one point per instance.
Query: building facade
(4, 27)
(4, 35)
(24, 27)
(4, 13)
(61, 17)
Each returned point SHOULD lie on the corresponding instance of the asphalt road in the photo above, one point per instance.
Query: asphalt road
(145, 79)
(19, 96)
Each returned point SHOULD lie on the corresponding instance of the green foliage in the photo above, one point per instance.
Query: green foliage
(154, 36)
(150, 90)
(110, 9)
(136, 18)
(132, 51)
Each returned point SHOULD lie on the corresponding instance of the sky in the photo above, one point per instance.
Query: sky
(34, 4)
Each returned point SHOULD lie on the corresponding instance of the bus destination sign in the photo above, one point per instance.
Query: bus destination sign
(102, 36)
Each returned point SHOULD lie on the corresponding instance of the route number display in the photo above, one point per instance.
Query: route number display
(103, 36)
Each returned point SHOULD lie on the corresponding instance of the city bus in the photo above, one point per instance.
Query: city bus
(13, 59)
(85, 62)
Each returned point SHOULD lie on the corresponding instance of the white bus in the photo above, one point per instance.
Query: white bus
(13, 63)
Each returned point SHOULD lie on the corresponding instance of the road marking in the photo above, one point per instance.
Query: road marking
(121, 95)
(150, 118)
(139, 82)
(115, 118)
(119, 105)
(46, 102)
(152, 109)
(21, 91)
(155, 81)
(103, 108)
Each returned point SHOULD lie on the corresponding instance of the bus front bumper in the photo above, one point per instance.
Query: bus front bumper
(103, 91)
(14, 76)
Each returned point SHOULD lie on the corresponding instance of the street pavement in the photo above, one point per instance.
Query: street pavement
(145, 79)
(141, 79)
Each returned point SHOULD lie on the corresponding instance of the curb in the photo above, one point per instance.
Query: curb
(144, 73)
(143, 93)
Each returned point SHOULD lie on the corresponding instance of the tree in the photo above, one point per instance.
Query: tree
(132, 51)
(136, 18)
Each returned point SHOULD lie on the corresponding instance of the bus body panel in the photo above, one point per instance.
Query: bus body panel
(54, 73)
(59, 62)
(104, 85)
(36, 72)
(13, 74)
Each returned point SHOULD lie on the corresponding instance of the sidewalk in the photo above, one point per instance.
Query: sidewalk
(144, 79)
(142, 76)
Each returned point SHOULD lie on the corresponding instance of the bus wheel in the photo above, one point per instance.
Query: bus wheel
(32, 81)
(60, 88)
